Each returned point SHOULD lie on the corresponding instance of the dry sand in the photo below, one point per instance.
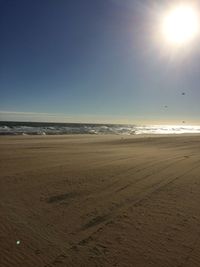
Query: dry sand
(100, 201)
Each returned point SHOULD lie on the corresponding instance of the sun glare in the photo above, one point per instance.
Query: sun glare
(180, 25)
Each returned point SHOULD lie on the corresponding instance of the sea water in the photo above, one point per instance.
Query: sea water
(39, 128)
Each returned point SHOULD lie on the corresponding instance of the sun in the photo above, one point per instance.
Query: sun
(180, 25)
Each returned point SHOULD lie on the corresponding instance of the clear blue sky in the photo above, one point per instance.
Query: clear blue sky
(93, 60)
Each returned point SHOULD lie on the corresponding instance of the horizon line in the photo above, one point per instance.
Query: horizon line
(44, 117)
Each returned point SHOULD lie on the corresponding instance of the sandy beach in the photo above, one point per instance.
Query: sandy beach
(82, 201)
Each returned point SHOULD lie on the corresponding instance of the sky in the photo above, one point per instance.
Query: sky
(94, 61)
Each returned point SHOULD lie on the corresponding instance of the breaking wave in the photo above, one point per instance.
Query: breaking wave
(33, 128)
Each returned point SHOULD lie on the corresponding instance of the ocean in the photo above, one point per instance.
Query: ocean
(40, 128)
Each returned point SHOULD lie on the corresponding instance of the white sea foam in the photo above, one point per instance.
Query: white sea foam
(14, 128)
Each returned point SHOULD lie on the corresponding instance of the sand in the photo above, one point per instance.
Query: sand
(100, 201)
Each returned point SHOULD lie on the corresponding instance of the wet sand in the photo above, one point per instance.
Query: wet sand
(100, 201)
